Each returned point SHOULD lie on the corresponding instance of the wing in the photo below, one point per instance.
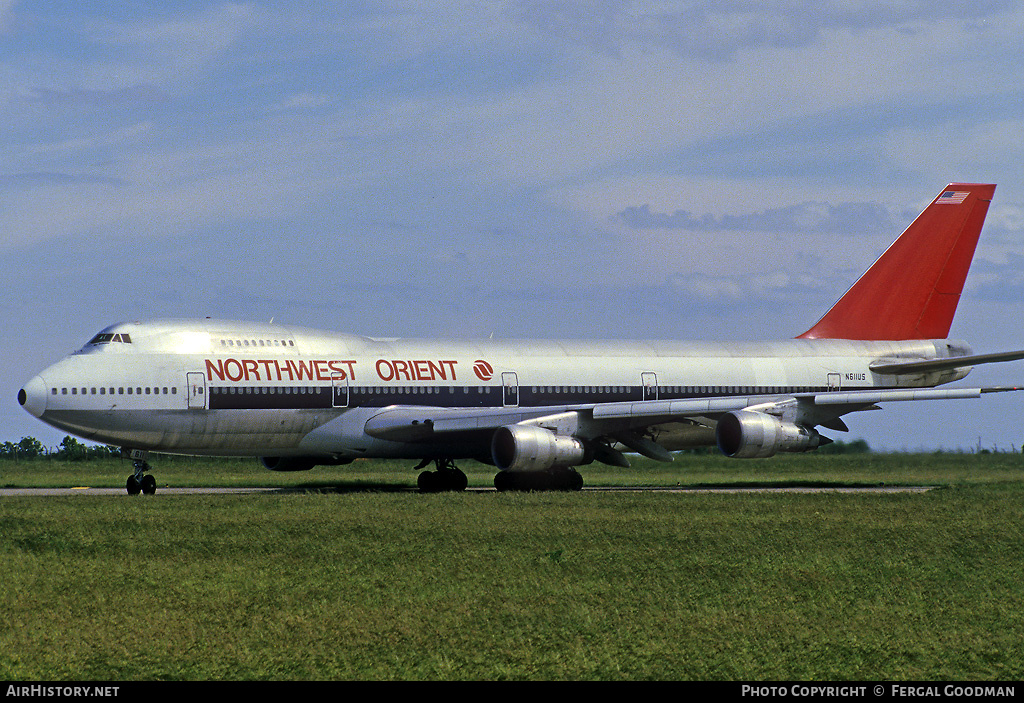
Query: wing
(626, 423)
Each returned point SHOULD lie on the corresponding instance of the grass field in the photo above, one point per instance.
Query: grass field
(363, 580)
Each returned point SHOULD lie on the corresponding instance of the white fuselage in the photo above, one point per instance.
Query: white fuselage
(241, 389)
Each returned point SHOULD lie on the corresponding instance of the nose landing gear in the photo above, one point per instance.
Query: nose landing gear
(140, 481)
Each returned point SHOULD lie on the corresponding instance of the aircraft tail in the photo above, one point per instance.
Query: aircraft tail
(913, 289)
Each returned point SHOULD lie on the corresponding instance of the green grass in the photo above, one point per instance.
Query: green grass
(367, 584)
(940, 468)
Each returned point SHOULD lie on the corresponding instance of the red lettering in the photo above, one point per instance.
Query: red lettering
(451, 367)
(251, 365)
(406, 369)
(320, 375)
(441, 370)
(289, 366)
(338, 372)
(212, 370)
(227, 370)
(422, 370)
(351, 368)
(306, 370)
(266, 365)
(272, 369)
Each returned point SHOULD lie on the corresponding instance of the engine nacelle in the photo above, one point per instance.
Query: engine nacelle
(288, 463)
(744, 434)
(532, 448)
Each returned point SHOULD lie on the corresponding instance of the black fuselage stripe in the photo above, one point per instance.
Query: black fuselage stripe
(298, 397)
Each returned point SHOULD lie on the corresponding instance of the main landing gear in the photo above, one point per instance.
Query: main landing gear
(140, 481)
(447, 477)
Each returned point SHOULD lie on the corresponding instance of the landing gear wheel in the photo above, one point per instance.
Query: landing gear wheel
(447, 478)
(504, 481)
(457, 481)
(427, 482)
(567, 479)
(133, 486)
(148, 484)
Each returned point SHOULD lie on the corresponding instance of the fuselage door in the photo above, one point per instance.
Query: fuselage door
(196, 391)
(340, 384)
(509, 389)
(649, 380)
(835, 382)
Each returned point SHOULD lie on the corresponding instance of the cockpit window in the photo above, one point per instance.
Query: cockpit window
(103, 338)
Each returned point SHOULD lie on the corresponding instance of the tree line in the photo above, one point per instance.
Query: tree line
(70, 449)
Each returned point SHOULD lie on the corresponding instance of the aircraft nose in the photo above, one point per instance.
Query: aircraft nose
(33, 396)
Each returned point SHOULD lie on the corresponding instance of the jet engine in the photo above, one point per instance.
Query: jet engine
(744, 434)
(532, 448)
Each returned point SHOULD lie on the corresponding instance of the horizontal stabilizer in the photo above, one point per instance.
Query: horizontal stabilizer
(897, 366)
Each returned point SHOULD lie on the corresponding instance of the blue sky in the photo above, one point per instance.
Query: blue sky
(528, 169)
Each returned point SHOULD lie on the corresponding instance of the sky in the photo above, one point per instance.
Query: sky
(606, 169)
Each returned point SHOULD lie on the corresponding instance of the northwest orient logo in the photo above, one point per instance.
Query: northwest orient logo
(483, 370)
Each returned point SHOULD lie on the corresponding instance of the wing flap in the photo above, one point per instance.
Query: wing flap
(672, 408)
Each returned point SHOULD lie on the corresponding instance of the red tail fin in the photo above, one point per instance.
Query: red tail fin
(912, 291)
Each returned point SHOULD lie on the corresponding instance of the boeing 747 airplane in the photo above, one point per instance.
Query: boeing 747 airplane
(535, 410)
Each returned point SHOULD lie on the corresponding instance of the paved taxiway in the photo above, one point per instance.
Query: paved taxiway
(85, 490)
